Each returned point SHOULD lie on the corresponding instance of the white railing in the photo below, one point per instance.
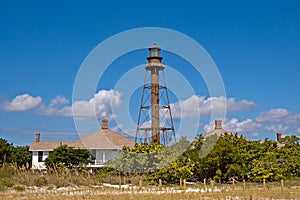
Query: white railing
(97, 162)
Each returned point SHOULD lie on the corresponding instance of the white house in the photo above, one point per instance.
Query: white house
(103, 144)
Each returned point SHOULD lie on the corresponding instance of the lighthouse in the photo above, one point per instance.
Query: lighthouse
(155, 122)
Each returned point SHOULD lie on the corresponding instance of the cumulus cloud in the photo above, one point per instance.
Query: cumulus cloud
(278, 128)
(234, 125)
(279, 114)
(293, 119)
(195, 105)
(100, 105)
(21, 103)
(187, 107)
(55, 106)
(273, 115)
(59, 100)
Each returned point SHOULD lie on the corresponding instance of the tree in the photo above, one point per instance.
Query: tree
(6, 150)
(137, 160)
(223, 161)
(21, 156)
(65, 156)
(290, 140)
(215, 157)
(157, 161)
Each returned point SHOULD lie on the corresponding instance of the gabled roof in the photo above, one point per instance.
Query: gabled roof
(101, 139)
(49, 146)
(105, 139)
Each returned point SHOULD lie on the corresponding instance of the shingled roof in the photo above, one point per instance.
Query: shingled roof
(105, 139)
(49, 146)
(101, 139)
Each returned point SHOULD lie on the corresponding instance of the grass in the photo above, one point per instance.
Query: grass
(108, 193)
(68, 184)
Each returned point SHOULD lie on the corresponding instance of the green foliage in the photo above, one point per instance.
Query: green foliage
(165, 162)
(234, 156)
(183, 167)
(19, 188)
(6, 182)
(223, 162)
(290, 140)
(140, 159)
(6, 171)
(6, 150)
(213, 158)
(21, 156)
(218, 158)
(40, 181)
(64, 156)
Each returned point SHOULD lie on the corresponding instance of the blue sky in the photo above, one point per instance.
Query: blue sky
(255, 45)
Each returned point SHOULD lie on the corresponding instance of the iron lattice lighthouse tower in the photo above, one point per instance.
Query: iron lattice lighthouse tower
(155, 115)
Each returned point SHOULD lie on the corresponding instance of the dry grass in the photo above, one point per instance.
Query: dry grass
(67, 184)
(147, 193)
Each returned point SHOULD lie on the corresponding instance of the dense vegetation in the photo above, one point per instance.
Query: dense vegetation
(213, 158)
(19, 155)
(64, 156)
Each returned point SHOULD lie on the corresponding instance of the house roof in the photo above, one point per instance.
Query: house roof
(49, 146)
(105, 139)
(101, 139)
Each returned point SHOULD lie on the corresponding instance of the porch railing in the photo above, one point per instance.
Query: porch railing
(97, 162)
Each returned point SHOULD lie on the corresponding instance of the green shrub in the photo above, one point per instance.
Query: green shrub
(6, 171)
(5, 182)
(19, 188)
(40, 181)
(59, 182)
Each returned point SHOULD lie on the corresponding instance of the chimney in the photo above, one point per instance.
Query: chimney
(278, 137)
(104, 124)
(218, 124)
(37, 137)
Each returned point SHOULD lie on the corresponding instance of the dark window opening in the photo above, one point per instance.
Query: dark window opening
(93, 154)
(40, 156)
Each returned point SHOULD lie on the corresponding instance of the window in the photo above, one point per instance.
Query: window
(93, 154)
(154, 53)
(40, 156)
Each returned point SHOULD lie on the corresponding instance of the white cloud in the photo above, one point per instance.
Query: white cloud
(278, 128)
(273, 115)
(255, 134)
(187, 107)
(100, 105)
(279, 114)
(59, 100)
(192, 106)
(298, 130)
(55, 106)
(22, 102)
(293, 119)
(233, 105)
(234, 125)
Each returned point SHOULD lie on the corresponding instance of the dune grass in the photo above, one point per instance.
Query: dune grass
(104, 193)
(73, 185)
